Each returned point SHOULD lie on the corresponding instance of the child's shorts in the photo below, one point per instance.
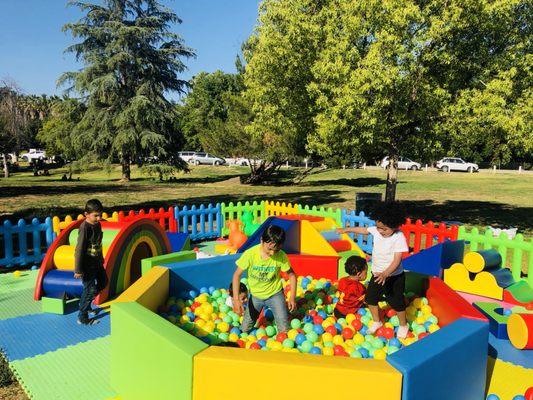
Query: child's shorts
(392, 291)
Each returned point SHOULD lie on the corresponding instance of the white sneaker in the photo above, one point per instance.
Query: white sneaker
(402, 331)
(375, 326)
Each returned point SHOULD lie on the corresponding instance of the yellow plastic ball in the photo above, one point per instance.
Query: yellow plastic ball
(292, 334)
(433, 328)
(202, 298)
(389, 325)
(417, 302)
(327, 337)
(420, 320)
(379, 354)
(199, 322)
(16, 274)
(426, 309)
(338, 339)
(223, 327)
(350, 318)
(184, 319)
(233, 337)
(358, 338)
(327, 351)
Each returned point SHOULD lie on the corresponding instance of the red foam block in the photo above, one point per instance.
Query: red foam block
(447, 305)
(315, 266)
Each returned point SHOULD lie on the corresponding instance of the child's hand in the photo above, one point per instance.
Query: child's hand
(237, 306)
(341, 230)
(77, 276)
(380, 278)
(291, 304)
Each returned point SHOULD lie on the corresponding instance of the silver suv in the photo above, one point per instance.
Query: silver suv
(207, 159)
(456, 164)
(186, 155)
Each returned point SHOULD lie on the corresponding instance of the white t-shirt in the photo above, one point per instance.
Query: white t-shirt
(383, 250)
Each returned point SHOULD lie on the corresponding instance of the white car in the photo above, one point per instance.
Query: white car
(33, 154)
(245, 162)
(456, 164)
(403, 163)
(207, 159)
(186, 155)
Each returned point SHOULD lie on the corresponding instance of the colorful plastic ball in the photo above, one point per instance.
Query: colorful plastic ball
(34, 267)
(328, 351)
(356, 354)
(280, 337)
(223, 327)
(296, 324)
(270, 331)
(193, 294)
(327, 337)
(363, 330)
(493, 397)
(312, 337)
(379, 354)
(255, 346)
(322, 314)
(204, 290)
(306, 346)
(16, 274)
(300, 338)
(319, 330)
(331, 330)
(529, 393)
(308, 327)
(361, 311)
(347, 333)
(519, 397)
(288, 343)
(262, 342)
(390, 313)
(364, 352)
(395, 342)
(315, 350)
(507, 312)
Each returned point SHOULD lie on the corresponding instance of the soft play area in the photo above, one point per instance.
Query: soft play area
(167, 332)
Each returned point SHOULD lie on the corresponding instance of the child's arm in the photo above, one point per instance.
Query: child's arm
(358, 230)
(81, 248)
(292, 298)
(380, 277)
(237, 304)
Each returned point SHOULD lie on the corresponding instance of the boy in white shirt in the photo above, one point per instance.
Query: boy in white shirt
(388, 278)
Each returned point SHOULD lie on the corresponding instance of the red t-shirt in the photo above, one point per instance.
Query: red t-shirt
(352, 294)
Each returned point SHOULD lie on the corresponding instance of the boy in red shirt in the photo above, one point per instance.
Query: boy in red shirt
(352, 291)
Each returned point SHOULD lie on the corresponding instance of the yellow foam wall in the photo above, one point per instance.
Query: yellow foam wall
(151, 290)
(484, 283)
(64, 257)
(507, 380)
(221, 372)
(312, 242)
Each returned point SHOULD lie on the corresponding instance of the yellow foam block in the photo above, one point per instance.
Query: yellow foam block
(483, 284)
(288, 376)
(518, 331)
(312, 242)
(507, 380)
(354, 245)
(64, 257)
(325, 225)
(150, 290)
(224, 249)
(474, 262)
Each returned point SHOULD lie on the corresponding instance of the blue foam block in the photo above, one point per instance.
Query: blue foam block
(204, 272)
(433, 260)
(448, 364)
(505, 351)
(497, 321)
(292, 235)
(30, 335)
(178, 241)
(330, 235)
(57, 282)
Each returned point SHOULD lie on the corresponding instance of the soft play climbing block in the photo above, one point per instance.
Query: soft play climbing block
(482, 284)
(289, 376)
(448, 364)
(433, 260)
(497, 321)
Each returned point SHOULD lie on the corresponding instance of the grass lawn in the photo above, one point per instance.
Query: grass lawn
(503, 199)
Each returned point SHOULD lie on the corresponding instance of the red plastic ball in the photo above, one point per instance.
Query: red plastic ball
(241, 343)
(331, 330)
(317, 320)
(337, 350)
(423, 335)
(255, 346)
(410, 334)
(388, 333)
(380, 332)
(280, 337)
(313, 313)
(358, 317)
(347, 333)
(357, 324)
(195, 305)
(391, 313)
(196, 249)
(529, 392)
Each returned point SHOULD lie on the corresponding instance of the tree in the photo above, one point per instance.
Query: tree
(13, 122)
(131, 59)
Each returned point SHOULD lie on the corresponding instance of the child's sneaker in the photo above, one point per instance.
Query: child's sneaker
(375, 326)
(402, 332)
(91, 321)
(95, 312)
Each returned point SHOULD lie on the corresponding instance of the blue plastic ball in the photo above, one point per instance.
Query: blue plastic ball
(300, 338)
(191, 315)
(338, 327)
(204, 290)
(395, 343)
(519, 397)
(193, 294)
(307, 319)
(493, 397)
(322, 314)
(507, 312)
(33, 268)
(211, 289)
(327, 285)
(262, 342)
(335, 300)
(363, 330)
(315, 350)
(236, 331)
(364, 352)
(269, 315)
(361, 311)
(319, 330)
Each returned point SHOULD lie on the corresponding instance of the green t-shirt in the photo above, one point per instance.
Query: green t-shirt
(264, 278)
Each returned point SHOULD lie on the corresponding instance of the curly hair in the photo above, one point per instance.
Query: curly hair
(390, 214)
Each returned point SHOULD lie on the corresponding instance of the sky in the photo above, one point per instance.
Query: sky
(32, 43)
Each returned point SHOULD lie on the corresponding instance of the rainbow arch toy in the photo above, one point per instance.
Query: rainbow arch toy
(124, 244)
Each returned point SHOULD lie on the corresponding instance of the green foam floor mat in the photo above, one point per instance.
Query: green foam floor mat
(17, 303)
(78, 372)
(9, 283)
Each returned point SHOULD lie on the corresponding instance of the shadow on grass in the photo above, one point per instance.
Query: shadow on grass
(479, 213)
(356, 182)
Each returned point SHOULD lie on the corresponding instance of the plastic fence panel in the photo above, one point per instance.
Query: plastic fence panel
(200, 222)
(350, 219)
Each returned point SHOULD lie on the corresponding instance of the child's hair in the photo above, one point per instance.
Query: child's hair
(390, 214)
(94, 205)
(242, 288)
(354, 265)
(273, 234)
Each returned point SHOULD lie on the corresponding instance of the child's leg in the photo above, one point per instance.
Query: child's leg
(101, 279)
(395, 297)
(87, 296)
(251, 314)
(278, 305)
(374, 292)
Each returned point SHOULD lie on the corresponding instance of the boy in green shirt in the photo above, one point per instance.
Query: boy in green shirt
(263, 264)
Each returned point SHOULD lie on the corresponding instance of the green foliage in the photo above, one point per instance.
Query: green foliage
(131, 60)
(161, 171)
(6, 376)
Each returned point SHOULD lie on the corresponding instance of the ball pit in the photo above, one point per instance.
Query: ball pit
(313, 328)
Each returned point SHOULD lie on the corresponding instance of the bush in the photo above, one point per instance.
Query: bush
(6, 376)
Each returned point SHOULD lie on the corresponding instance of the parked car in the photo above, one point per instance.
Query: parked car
(403, 163)
(207, 159)
(456, 164)
(34, 154)
(245, 162)
(186, 155)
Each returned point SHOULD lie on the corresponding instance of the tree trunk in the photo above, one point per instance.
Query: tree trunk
(260, 173)
(392, 179)
(6, 168)
(126, 169)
